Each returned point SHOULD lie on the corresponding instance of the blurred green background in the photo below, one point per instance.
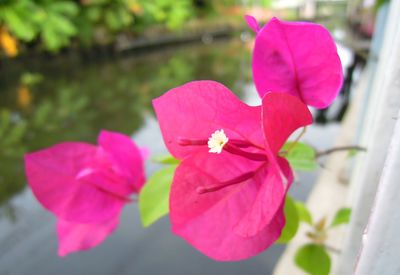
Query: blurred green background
(52, 25)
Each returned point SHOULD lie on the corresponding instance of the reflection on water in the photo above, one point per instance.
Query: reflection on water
(76, 100)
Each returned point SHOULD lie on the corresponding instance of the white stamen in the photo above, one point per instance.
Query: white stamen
(217, 141)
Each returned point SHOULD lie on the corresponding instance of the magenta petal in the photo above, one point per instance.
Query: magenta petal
(126, 156)
(218, 241)
(197, 109)
(252, 23)
(282, 115)
(269, 200)
(52, 175)
(74, 237)
(299, 59)
(107, 181)
(207, 220)
(203, 170)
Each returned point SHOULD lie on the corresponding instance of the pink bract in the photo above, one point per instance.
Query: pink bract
(296, 58)
(228, 205)
(73, 237)
(252, 23)
(86, 186)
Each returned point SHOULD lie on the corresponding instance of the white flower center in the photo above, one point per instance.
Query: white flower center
(217, 141)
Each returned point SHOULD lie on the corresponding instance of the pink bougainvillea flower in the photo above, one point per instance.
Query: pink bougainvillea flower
(82, 236)
(252, 23)
(228, 192)
(297, 58)
(86, 186)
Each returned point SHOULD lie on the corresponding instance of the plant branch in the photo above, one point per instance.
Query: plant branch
(332, 249)
(338, 149)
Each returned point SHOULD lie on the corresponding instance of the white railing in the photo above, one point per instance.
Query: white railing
(381, 241)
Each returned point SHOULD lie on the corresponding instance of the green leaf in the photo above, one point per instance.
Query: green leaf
(342, 217)
(313, 259)
(165, 159)
(64, 7)
(112, 20)
(93, 13)
(303, 212)
(17, 20)
(300, 156)
(50, 38)
(57, 31)
(62, 25)
(154, 196)
(292, 221)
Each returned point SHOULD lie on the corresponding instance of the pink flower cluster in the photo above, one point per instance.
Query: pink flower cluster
(86, 186)
(228, 193)
(228, 205)
(229, 190)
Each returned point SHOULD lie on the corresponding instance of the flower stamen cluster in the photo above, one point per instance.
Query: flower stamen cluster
(217, 141)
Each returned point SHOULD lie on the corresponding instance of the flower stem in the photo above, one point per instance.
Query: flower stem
(293, 144)
(340, 148)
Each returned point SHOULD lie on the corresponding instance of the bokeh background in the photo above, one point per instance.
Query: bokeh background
(71, 68)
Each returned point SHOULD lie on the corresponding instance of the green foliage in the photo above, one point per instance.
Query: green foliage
(49, 20)
(56, 24)
(300, 156)
(117, 18)
(172, 13)
(17, 16)
(105, 17)
(11, 134)
(342, 217)
(154, 196)
(292, 221)
(250, 3)
(303, 212)
(65, 109)
(263, 3)
(31, 79)
(313, 259)
(165, 159)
